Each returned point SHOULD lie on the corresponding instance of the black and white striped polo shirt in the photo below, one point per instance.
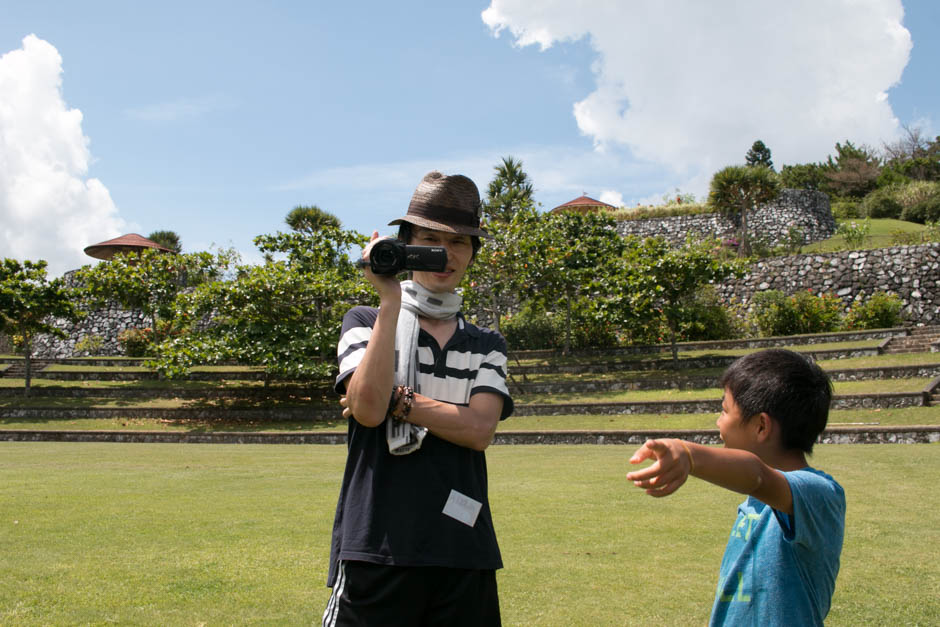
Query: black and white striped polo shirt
(473, 361)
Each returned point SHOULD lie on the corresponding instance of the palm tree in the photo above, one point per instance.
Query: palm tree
(167, 239)
(310, 219)
(738, 190)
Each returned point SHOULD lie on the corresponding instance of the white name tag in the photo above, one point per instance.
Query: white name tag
(461, 507)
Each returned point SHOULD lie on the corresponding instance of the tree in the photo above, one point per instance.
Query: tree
(149, 280)
(737, 191)
(168, 239)
(491, 280)
(913, 155)
(310, 219)
(853, 172)
(284, 315)
(29, 303)
(759, 154)
(809, 176)
(667, 279)
(508, 192)
(570, 260)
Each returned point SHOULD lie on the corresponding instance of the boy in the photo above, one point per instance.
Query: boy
(423, 391)
(782, 558)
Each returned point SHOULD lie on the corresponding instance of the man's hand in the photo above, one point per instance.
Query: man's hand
(386, 286)
(670, 470)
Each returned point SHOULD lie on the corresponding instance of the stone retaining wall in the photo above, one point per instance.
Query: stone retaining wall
(855, 435)
(911, 272)
(805, 210)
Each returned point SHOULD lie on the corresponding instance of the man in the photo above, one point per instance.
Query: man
(413, 538)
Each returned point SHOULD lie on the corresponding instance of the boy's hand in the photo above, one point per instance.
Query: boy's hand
(671, 469)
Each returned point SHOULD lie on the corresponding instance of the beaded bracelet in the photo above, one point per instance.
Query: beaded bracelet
(403, 397)
(408, 399)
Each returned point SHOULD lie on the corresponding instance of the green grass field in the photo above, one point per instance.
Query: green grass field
(882, 234)
(215, 534)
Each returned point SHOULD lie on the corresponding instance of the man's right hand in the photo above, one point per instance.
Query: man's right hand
(387, 286)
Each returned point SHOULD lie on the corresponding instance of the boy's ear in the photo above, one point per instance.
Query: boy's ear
(764, 427)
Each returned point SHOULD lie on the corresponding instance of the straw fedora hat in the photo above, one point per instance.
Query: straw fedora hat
(449, 203)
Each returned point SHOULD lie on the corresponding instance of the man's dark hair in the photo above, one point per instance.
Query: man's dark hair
(405, 231)
(788, 387)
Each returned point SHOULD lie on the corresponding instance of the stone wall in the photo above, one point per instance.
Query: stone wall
(911, 272)
(806, 210)
(104, 323)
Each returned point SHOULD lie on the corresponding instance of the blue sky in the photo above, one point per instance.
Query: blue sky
(214, 119)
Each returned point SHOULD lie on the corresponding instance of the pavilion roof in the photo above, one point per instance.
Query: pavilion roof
(132, 242)
(583, 203)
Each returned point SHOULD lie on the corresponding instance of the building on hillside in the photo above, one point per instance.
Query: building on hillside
(584, 204)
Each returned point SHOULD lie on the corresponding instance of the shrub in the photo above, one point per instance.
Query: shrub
(845, 209)
(707, 318)
(854, 233)
(916, 192)
(905, 238)
(880, 311)
(530, 330)
(927, 210)
(777, 314)
(136, 342)
(882, 203)
(932, 232)
(89, 345)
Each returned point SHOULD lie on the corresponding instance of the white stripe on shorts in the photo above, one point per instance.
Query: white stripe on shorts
(332, 607)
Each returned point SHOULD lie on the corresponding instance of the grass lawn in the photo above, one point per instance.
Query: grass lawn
(840, 387)
(639, 422)
(215, 534)
(853, 417)
(881, 235)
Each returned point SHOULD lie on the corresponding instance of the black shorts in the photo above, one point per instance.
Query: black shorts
(375, 594)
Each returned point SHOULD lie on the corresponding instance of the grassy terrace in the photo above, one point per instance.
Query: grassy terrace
(316, 395)
(602, 357)
(840, 387)
(635, 422)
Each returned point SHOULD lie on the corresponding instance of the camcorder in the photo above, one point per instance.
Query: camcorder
(391, 256)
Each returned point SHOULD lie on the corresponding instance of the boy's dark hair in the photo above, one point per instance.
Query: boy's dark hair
(405, 231)
(787, 386)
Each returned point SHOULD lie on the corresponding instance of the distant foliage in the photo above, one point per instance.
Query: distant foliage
(882, 203)
(777, 314)
(706, 317)
(881, 311)
(168, 239)
(89, 345)
(136, 342)
(845, 208)
(759, 155)
(533, 329)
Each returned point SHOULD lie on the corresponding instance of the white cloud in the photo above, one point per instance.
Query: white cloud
(612, 198)
(691, 84)
(48, 208)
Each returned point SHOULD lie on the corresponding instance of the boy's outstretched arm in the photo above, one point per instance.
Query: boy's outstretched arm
(733, 469)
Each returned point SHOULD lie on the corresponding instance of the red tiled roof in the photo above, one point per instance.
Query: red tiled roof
(131, 242)
(583, 201)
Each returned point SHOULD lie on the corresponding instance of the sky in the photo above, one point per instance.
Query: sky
(214, 119)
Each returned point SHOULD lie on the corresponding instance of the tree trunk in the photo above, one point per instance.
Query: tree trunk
(567, 348)
(28, 357)
(675, 349)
